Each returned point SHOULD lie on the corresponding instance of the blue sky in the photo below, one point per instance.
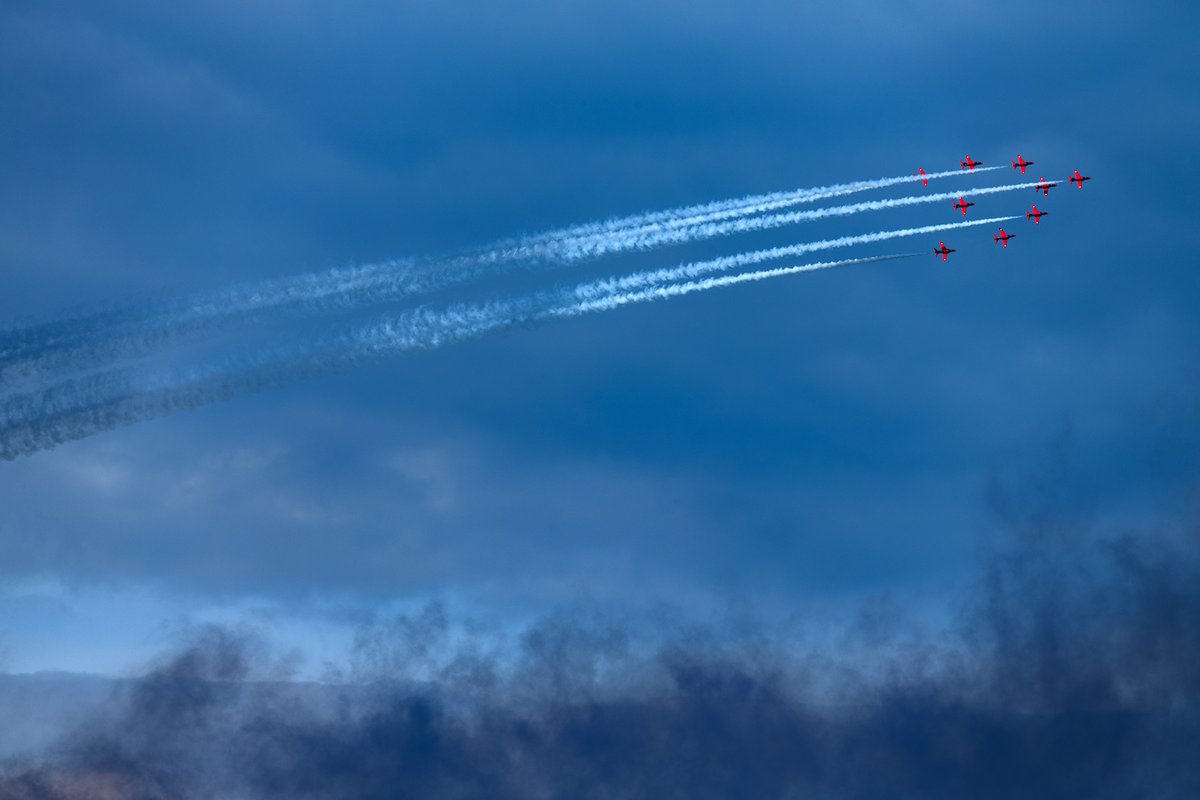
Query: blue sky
(808, 443)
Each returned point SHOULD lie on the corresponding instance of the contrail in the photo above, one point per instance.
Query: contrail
(82, 407)
(664, 292)
(134, 331)
(115, 348)
(609, 286)
(725, 209)
(612, 286)
(714, 229)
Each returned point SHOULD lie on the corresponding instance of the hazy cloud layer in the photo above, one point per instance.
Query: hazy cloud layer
(1076, 673)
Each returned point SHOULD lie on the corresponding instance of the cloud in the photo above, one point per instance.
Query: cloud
(1076, 673)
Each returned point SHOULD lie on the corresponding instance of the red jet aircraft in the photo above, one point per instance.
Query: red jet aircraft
(962, 205)
(969, 164)
(1022, 163)
(943, 251)
(922, 177)
(1077, 178)
(1044, 186)
(1004, 237)
(1035, 215)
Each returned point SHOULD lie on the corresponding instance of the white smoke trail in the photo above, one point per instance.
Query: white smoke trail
(115, 334)
(578, 250)
(82, 407)
(612, 286)
(387, 289)
(666, 291)
(598, 289)
(115, 349)
(723, 209)
(365, 290)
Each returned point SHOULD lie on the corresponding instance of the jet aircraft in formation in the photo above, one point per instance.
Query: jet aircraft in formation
(1044, 186)
(943, 251)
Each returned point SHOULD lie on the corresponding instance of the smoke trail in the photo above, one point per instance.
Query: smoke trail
(29, 406)
(647, 222)
(670, 290)
(129, 346)
(724, 209)
(578, 250)
(81, 407)
(72, 342)
(611, 286)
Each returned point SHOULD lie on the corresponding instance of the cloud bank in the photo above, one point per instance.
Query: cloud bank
(1075, 672)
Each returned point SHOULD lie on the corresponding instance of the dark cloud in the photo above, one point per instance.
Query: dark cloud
(1077, 675)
